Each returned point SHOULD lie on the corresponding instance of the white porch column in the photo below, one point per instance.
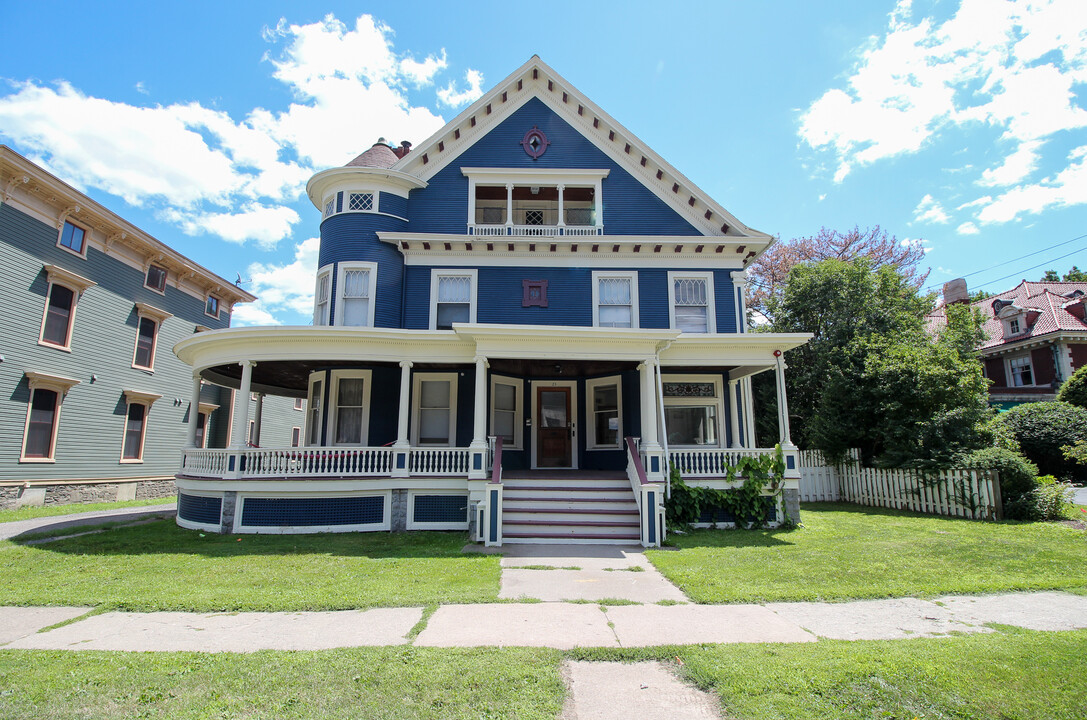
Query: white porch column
(652, 451)
(733, 413)
(739, 283)
(478, 468)
(783, 402)
(241, 406)
(401, 463)
(748, 398)
(194, 412)
(258, 416)
(509, 204)
(562, 219)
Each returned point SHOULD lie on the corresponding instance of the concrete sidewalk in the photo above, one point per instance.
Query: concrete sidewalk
(9, 530)
(549, 624)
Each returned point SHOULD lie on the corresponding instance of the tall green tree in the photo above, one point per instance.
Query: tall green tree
(872, 377)
(1073, 275)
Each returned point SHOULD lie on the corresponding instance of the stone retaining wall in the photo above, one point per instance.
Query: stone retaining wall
(81, 493)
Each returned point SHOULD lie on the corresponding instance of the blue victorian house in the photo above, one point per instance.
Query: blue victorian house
(517, 326)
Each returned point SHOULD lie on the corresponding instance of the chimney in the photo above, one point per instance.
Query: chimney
(955, 292)
(404, 149)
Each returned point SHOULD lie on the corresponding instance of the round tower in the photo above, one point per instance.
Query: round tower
(357, 201)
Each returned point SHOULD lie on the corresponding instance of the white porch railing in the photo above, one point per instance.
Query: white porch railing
(711, 462)
(306, 462)
(535, 230)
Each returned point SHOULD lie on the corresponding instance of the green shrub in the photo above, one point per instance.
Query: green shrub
(1050, 500)
(1043, 429)
(1076, 453)
(1017, 478)
(1074, 389)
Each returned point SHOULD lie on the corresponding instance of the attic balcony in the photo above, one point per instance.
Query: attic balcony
(534, 211)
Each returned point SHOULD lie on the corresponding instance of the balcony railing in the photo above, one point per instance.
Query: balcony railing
(710, 462)
(310, 462)
(535, 230)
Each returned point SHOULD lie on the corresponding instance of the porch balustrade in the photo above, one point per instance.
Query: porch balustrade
(711, 462)
(535, 230)
(309, 462)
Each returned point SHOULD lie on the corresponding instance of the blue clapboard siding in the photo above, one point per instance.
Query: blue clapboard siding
(630, 208)
(92, 415)
(393, 204)
(569, 297)
(353, 237)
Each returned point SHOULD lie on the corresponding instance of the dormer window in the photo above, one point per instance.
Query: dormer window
(1013, 326)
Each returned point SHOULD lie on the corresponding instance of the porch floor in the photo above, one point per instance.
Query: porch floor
(563, 474)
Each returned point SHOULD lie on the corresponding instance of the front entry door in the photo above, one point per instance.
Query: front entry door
(554, 441)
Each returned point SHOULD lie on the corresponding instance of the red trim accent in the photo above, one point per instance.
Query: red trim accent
(611, 134)
(691, 201)
(520, 84)
(699, 248)
(643, 161)
(503, 97)
(535, 73)
(632, 452)
(490, 246)
(596, 122)
(448, 246)
(496, 467)
(660, 174)
(467, 246)
(441, 146)
(425, 159)
(637, 248)
(509, 247)
(488, 108)
(580, 110)
(615, 248)
(595, 248)
(675, 187)
(532, 247)
(573, 248)
(720, 248)
(456, 134)
(709, 214)
(526, 293)
(553, 246)
(426, 246)
(564, 98)
(550, 86)
(403, 245)
(657, 248)
(679, 248)
(741, 248)
(472, 121)
(724, 228)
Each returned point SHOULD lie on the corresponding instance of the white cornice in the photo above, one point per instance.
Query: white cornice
(318, 186)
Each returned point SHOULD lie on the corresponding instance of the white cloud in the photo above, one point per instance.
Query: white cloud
(1010, 65)
(1067, 187)
(141, 89)
(264, 225)
(967, 228)
(929, 210)
(287, 288)
(253, 313)
(451, 97)
(422, 73)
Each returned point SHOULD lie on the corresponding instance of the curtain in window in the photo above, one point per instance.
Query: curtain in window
(454, 300)
(505, 411)
(39, 432)
(691, 305)
(134, 432)
(320, 309)
(145, 343)
(58, 315)
(349, 411)
(434, 409)
(356, 298)
(614, 302)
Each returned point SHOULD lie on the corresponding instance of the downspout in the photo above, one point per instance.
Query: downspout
(663, 430)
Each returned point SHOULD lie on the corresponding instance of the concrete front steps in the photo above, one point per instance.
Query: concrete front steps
(569, 507)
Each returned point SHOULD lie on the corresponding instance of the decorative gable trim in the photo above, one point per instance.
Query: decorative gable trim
(535, 79)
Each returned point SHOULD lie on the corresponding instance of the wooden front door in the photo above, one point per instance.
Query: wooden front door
(554, 441)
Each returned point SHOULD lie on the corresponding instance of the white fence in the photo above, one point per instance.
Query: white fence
(954, 492)
(711, 462)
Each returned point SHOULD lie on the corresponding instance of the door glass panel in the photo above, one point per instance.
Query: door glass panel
(553, 408)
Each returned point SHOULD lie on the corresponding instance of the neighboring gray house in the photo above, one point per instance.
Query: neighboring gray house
(93, 402)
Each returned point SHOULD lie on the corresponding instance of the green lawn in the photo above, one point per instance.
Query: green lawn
(159, 566)
(846, 552)
(1009, 674)
(31, 512)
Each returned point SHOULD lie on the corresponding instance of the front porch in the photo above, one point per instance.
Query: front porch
(383, 436)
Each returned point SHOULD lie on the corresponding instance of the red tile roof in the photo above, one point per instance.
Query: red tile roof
(378, 156)
(1049, 300)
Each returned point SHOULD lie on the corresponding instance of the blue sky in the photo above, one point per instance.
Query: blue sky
(961, 126)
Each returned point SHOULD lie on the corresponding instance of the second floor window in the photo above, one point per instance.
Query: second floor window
(57, 328)
(355, 302)
(41, 424)
(615, 300)
(211, 306)
(145, 343)
(691, 302)
(156, 278)
(453, 299)
(322, 296)
(74, 238)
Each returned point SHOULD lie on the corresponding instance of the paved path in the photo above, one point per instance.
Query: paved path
(550, 624)
(9, 530)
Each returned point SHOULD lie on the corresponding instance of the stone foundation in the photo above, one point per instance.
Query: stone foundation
(398, 514)
(791, 500)
(82, 493)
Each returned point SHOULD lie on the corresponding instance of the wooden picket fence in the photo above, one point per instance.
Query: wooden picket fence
(968, 493)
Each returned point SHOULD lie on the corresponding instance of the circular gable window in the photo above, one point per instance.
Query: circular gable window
(535, 142)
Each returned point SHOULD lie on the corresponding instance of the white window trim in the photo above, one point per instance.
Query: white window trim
(519, 410)
(324, 317)
(533, 176)
(590, 412)
(1011, 375)
(325, 212)
(436, 273)
(717, 400)
(413, 525)
(86, 238)
(135, 397)
(55, 383)
(416, 399)
(711, 304)
(315, 377)
(298, 429)
(206, 409)
(341, 272)
(77, 284)
(630, 275)
(334, 387)
(218, 305)
(165, 277)
(158, 317)
(347, 200)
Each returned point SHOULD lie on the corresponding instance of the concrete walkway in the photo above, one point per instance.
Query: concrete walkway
(9, 530)
(550, 624)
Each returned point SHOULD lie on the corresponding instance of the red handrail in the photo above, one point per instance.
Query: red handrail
(496, 465)
(632, 449)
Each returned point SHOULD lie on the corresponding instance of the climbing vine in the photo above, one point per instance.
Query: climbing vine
(748, 502)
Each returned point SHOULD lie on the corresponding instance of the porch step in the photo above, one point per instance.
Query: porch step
(573, 538)
(569, 488)
(589, 507)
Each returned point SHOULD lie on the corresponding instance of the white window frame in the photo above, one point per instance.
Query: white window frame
(518, 412)
(330, 206)
(318, 406)
(86, 238)
(134, 397)
(77, 284)
(417, 380)
(347, 200)
(717, 400)
(711, 304)
(591, 442)
(321, 317)
(1010, 366)
(53, 383)
(631, 275)
(206, 409)
(158, 317)
(218, 305)
(296, 436)
(437, 273)
(341, 273)
(335, 376)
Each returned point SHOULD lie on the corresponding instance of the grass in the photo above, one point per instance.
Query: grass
(844, 552)
(395, 683)
(1007, 674)
(159, 566)
(1019, 674)
(31, 512)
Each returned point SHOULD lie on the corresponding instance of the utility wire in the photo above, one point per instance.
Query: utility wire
(1035, 267)
(1024, 257)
